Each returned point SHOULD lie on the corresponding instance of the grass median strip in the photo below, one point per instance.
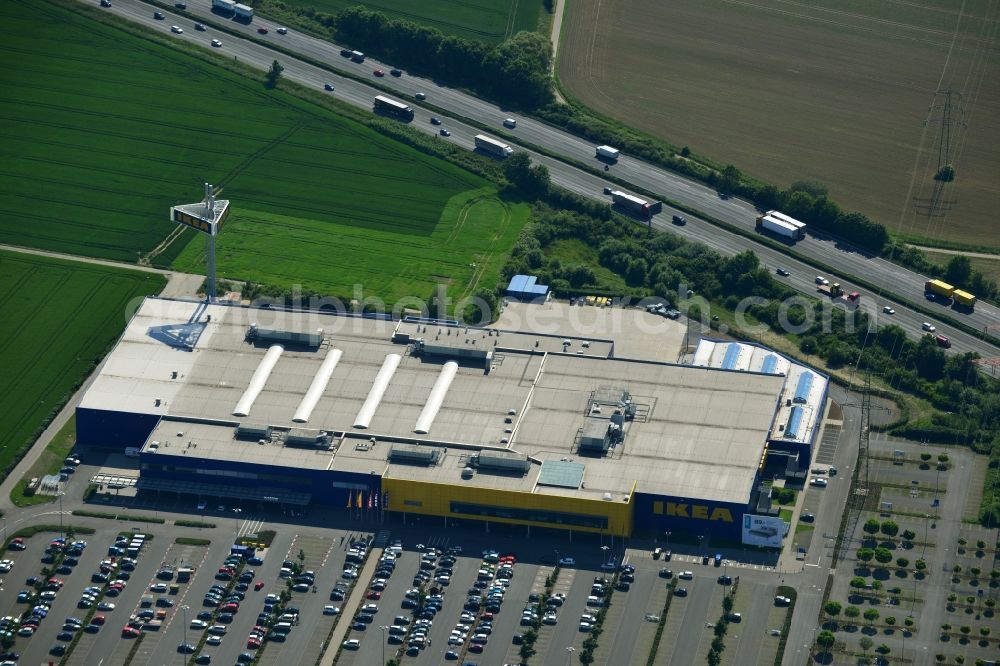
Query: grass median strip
(118, 516)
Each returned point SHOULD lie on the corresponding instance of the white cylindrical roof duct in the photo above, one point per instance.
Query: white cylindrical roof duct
(382, 379)
(436, 397)
(258, 380)
(317, 387)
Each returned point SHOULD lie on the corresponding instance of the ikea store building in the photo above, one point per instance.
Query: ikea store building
(471, 424)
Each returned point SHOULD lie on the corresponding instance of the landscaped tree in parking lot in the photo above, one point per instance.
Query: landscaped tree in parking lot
(883, 555)
(872, 526)
(871, 615)
(832, 608)
(852, 612)
(858, 582)
(826, 639)
(866, 644)
(889, 528)
(902, 562)
(909, 535)
(865, 554)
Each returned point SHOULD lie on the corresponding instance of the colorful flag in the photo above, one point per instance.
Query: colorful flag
(359, 500)
(350, 504)
(370, 499)
(376, 494)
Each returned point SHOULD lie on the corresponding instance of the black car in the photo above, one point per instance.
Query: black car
(782, 272)
(395, 72)
(666, 573)
(105, 3)
(518, 639)
(807, 518)
(725, 580)
(200, 28)
(180, 5)
(679, 220)
(681, 592)
(203, 659)
(59, 649)
(158, 16)
(435, 120)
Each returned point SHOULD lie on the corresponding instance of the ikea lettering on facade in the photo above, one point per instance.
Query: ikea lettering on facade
(695, 511)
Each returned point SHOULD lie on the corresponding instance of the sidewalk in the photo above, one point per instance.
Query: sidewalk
(350, 606)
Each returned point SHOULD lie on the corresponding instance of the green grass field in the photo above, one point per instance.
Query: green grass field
(60, 316)
(91, 167)
(485, 20)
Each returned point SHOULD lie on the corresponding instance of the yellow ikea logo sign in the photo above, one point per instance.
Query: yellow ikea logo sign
(696, 511)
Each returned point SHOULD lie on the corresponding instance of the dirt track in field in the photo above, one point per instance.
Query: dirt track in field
(840, 92)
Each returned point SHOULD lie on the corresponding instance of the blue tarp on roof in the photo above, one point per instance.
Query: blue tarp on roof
(732, 354)
(770, 363)
(794, 421)
(803, 387)
(524, 286)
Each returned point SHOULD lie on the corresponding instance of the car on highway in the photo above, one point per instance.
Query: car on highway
(782, 272)
(435, 120)
(886, 309)
(176, 29)
(679, 220)
(509, 123)
(943, 341)
(105, 3)
(420, 96)
(282, 30)
(822, 280)
(199, 27)
(396, 72)
(216, 43)
(379, 73)
(180, 5)
(262, 30)
(445, 132)
(928, 327)
(328, 87)
(158, 16)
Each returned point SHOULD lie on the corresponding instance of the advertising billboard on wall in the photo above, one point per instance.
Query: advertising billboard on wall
(763, 531)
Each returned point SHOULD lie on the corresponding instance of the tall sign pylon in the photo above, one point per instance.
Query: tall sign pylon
(207, 217)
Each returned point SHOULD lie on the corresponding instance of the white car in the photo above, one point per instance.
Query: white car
(349, 574)
(105, 606)
(6, 565)
(202, 505)
(282, 31)
(198, 624)
(822, 280)
(214, 640)
(158, 587)
(331, 610)
(928, 327)
(567, 562)
(886, 309)
(818, 482)
(352, 644)
(177, 29)
(685, 575)
(216, 43)
(509, 122)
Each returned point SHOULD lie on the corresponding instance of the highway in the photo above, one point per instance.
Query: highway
(891, 277)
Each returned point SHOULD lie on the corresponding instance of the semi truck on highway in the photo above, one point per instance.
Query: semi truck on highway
(944, 290)
(835, 291)
(635, 205)
(782, 225)
(493, 146)
(224, 6)
(391, 107)
(608, 154)
(243, 12)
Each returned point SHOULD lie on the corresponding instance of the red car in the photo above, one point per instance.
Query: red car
(379, 72)
(374, 595)
(130, 632)
(259, 585)
(97, 619)
(262, 30)
(253, 643)
(231, 607)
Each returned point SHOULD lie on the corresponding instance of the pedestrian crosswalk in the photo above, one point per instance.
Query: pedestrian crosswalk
(250, 525)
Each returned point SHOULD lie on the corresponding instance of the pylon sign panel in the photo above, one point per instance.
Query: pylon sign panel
(187, 216)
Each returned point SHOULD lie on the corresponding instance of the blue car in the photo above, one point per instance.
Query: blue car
(359, 626)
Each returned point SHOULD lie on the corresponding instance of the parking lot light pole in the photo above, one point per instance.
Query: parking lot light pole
(184, 612)
(383, 629)
(62, 532)
(569, 654)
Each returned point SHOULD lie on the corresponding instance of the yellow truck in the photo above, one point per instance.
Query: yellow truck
(964, 298)
(939, 288)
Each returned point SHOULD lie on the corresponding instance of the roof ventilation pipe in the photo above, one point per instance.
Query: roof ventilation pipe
(317, 387)
(382, 379)
(436, 397)
(258, 380)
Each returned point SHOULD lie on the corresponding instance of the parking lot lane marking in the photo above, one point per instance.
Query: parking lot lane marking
(327, 556)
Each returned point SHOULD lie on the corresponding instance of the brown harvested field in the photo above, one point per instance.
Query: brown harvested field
(838, 91)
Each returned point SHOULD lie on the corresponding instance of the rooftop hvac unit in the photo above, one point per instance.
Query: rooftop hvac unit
(467, 473)
(502, 460)
(413, 454)
(307, 438)
(258, 432)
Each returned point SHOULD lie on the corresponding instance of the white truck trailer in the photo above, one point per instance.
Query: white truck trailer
(607, 153)
(782, 225)
(493, 146)
(224, 6)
